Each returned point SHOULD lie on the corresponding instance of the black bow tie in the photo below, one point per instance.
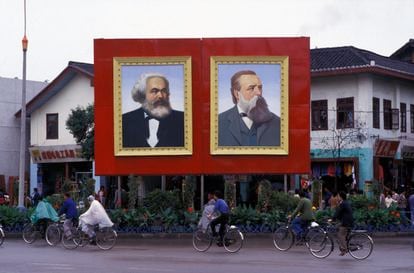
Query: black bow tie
(243, 115)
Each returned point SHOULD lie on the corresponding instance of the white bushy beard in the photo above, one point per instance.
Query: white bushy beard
(256, 109)
(159, 109)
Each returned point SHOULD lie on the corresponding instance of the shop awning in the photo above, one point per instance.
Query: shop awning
(386, 148)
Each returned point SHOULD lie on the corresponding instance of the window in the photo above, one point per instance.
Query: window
(395, 119)
(376, 113)
(52, 126)
(319, 115)
(412, 118)
(345, 113)
(403, 110)
(387, 114)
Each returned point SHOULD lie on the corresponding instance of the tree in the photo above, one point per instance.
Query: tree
(343, 138)
(81, 125)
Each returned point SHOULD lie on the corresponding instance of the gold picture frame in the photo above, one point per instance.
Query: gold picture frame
(177, 71)
(273, 71)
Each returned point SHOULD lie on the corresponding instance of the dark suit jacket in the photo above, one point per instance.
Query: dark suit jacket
(230, 127)
(170, 130)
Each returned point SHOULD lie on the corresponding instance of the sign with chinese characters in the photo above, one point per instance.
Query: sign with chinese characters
(58, 153)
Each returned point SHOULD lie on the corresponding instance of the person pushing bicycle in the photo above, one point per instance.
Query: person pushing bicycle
(222, 208)
(304, 215)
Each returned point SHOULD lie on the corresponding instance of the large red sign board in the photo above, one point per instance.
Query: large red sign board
(201, 59)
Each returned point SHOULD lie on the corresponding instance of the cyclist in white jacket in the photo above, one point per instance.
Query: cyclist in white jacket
(95, 215)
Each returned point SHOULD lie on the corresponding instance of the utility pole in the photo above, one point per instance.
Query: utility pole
(22, 165)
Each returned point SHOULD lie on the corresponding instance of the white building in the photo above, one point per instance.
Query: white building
(55, 156)
(366, 101)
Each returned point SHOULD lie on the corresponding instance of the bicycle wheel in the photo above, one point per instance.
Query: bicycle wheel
(1, 236)
(233, 240)
(320, 245)
(360, 245)
(105, 238)
(202, 240)
(29, 233)
(313, 231)
(53, 234)
(71, 241)
(283, 238)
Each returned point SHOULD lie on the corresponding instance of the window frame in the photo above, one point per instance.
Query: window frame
(345, 111)
(376, 113)
(52, 133)
(387, 114)
(403, 115)
(318, 107)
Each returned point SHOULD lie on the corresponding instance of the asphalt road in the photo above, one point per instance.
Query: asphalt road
(160, 255)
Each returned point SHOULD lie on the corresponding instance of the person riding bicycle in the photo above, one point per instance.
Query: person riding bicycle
(71, 213)
(43, 213)
(95, 215)
(304, 215)
(222, 208)
(207, 212)
(344, 214)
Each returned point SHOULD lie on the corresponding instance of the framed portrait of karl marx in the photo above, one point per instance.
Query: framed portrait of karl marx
(249, 105)
(152, 106)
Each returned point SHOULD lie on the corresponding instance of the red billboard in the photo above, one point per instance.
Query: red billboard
(202, 106)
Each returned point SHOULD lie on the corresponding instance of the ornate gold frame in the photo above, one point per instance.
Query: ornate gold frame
(187, 149)
(283, 149)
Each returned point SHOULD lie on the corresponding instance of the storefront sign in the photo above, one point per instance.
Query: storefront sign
(407, 152)
(61, 153)
(386, 148)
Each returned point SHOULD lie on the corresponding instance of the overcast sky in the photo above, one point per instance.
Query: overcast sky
(62, 31)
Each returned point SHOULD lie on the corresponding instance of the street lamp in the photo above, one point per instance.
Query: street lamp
(23, 120)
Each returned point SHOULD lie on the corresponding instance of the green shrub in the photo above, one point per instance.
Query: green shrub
(263, 195)
(243, 215)
(158, 201)
(11, 216)
(283, 201)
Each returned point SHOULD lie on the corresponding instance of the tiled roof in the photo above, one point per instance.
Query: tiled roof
(349, 58)
(71, 71)
(85, 67)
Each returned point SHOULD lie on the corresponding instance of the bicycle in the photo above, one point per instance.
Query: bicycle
(2, 236)
(105, 238)
(232, 240)
(32, 230)
(284, 237)
(359, 243)
(54, 232)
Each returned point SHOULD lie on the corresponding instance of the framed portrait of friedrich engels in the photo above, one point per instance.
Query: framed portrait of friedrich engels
(152, 106)
(249, 105)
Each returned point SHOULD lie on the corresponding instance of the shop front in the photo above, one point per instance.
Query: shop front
(407, 168)
(386, 166)
(52, 165)
(339, 174)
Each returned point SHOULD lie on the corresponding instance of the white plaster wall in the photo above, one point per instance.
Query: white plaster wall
(77, 92)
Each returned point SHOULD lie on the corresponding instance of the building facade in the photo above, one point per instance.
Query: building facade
(10, 103)
(362, 118)
(55, 156)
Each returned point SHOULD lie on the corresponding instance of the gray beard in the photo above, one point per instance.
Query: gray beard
(159, 109)
(256, 109)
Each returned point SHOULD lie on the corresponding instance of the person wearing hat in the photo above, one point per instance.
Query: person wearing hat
(95, 215)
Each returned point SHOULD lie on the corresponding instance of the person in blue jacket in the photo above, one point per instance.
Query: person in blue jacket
(69, 209)
(223, 210)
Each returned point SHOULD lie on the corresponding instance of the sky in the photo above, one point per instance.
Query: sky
(63, 31)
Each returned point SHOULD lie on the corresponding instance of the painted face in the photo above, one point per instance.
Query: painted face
(156, 91)
(250, 86)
